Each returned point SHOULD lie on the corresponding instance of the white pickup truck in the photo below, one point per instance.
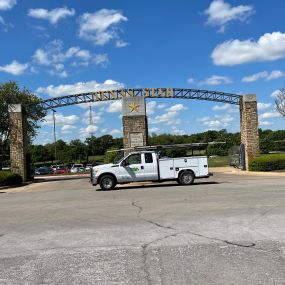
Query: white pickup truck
(147, 166)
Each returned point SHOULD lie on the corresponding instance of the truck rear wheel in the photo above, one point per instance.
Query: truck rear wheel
(186, 178)
(107, 182)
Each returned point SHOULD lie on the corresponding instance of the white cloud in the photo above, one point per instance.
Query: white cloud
(58, 70)
(54, 55)
(101, 27)
(53, 16)
(5, 24)
(121, 43)
(7, 4)
(115, 132)
(14, 68)
(221, 13)
(268, 47)
(170, 117)
(275, 93)
(161, 106)
(2, 21)
(263, 75)
(79, 87)
(203, 119)
(175, 121)
(101, 59)
(216, 80)
(221, 107)
(85, 132)
(178, 132)
(97, 118)
(265, 123)
(255, 77)
(154, 130)
(217, 122)
(177, 108)
(164, 118)
(61, 120)
(150, 107)
(263, 106)
(41, 57)
(190, 80)
(275, 74)
(67, 129)
(115, 106)
(269, 115)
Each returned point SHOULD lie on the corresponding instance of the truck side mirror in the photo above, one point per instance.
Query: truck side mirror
(124, 163)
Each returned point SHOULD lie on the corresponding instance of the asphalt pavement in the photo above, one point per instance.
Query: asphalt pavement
(228, 229)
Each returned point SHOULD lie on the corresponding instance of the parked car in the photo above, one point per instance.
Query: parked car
(53, 167)
(43, 170)
(75, 168)
(60, 170)
(88, 167)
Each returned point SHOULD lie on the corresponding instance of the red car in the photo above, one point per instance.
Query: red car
(60, 170)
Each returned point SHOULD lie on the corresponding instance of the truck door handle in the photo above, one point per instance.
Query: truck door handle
(171, 168)
(142, 167)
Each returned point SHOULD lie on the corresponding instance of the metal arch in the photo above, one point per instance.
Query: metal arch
(179, 93)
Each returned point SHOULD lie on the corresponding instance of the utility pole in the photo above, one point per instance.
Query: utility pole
(54, 133)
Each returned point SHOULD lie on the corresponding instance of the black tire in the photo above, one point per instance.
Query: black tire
(107, 182)
(186, 178)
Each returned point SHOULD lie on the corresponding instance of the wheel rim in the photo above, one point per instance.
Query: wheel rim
(107, 183)
(187, 178)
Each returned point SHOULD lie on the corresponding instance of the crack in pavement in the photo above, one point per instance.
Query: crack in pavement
(140, 209)
(146, 245)
(266, 212)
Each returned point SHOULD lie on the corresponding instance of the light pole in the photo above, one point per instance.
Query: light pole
(54, 133)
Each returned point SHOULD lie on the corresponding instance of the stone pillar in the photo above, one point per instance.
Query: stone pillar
(135, 128)
(249, 127)
(18, 140)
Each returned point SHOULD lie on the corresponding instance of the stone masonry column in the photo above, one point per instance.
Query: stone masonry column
(18, 140)
(135, 128)
(249, 127)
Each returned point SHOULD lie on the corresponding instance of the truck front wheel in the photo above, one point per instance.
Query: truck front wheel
(186, 178)
(107, 182)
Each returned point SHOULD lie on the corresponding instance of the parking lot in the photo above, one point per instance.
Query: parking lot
(228, 229)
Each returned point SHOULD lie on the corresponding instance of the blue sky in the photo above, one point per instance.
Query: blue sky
(62, 47)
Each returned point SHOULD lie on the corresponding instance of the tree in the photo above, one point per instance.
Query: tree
(10, 93)
(280, 101)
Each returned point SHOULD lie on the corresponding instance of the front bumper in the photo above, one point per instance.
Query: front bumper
(93, 181)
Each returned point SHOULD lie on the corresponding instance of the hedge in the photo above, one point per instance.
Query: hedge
(268, 162)
(8, 178)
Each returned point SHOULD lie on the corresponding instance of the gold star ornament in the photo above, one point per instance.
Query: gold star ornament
(134, 107)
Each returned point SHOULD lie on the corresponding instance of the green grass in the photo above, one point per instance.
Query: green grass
(218, 161)
(97, 158)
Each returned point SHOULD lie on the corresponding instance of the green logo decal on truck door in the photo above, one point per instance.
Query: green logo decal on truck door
(135, 169)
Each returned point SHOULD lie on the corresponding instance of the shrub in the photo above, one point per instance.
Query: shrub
(8, 178)
(268, 162)
(111, 157)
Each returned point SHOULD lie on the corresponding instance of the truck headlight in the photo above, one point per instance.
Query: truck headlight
(96, 169)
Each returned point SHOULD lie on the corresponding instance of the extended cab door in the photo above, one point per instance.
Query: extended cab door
(131, 168)
(150, 166)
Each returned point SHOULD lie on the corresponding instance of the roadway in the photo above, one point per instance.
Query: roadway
(229, 229)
